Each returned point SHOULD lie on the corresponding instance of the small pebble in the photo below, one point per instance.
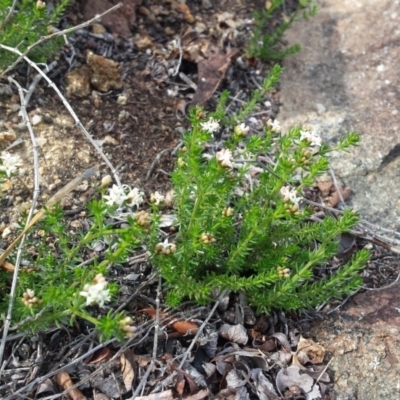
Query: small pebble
(6, 232)
(22, 126)
(47, 119)
(36, 119)
(122, 99)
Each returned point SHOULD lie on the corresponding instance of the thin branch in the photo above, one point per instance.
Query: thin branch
(52, 373)
(37, 79)
(55, 34)
(70, 110)
(36, 192)
(199, 332)
(156, 160)
(143, 381)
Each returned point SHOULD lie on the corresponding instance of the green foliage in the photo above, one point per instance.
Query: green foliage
(265, 245)
(266, 41)
(27, 24)
(60, 273)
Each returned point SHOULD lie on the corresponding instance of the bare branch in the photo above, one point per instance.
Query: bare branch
(70, 110)
(55, 34)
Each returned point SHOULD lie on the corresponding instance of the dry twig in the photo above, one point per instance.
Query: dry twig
(70, 110)
(53, 35)
(36, 192)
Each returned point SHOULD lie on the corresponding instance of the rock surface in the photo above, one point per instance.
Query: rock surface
(364, 342)
(346, 78)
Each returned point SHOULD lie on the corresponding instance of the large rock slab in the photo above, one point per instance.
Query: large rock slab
(347, 78)
(364, 342)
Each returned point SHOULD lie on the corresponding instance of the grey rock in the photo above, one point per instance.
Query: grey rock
(346, 79)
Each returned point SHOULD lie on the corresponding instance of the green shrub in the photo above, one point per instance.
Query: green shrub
(242, 224)
(266, 40)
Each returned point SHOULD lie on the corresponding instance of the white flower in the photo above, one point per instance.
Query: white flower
(40, 5)
(165, 247)
(275, 126)
(116, 195)
(289, 194)
(311, 137)
(157, 198)
(10, 163)
(224, 158)
(29, 298)
(97, 292)
(135, 197)
(212, 125)
(241, 130)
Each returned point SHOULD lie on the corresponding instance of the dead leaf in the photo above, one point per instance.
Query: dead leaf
(212, 64)
(283, 340)
(233, 380)
(180, 383)
(265, 388)
(325, 188)
(336, 197)
(199, 395)
(183, 380)
(185, 327)
(46, 388)
(210, 369)
(128, 368)
(100, 396)
(8, 266)
(185, 10)
(265, 345)
(234, 333)
(182, 326)
(314, 352)
(226, 394)
(96, 357)
(211, 71)
(64, 381)
(167, 395)
(287, 377)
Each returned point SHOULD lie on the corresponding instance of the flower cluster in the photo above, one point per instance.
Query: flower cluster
(143, 219)
(274, 126)
(290, 196)
(241, 130)
(125, 324)
(96, 293)
(224, 158)
(311, 137)
(284, 272)
(165, 247)
(10, 163)
(29, 298)
(40, 5)
(156, 198)
(119, 195)
(211, 126)
(207, 238)
(227, 212)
